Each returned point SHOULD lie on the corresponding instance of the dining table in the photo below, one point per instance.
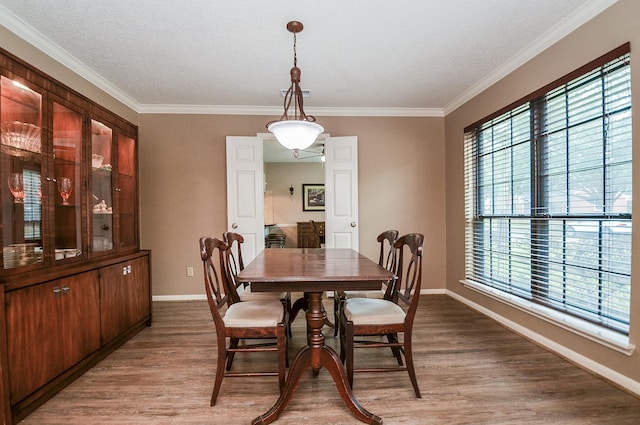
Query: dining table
(313, 271)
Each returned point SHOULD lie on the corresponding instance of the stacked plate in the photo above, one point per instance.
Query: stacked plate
(21, 254)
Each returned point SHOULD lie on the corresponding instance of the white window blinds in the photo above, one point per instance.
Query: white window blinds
(548, 195)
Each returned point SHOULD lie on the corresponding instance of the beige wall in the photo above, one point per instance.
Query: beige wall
(609, 30)
(183, 186)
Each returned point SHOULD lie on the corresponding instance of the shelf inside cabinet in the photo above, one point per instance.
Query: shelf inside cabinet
(23, 154)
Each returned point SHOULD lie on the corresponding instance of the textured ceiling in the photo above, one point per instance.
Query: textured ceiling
(408, 57)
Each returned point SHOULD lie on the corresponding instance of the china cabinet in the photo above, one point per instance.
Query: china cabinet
(74, 284)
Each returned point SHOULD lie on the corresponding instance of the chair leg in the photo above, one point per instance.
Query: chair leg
(397, 351)
(233, 343)
(283, 360)
(408, 355)
(299, 304)
(349, 351)
(286, 304)
(341, 322)
(222, 354)
(336, 313)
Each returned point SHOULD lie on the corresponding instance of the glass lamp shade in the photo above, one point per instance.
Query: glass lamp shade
(295, 134)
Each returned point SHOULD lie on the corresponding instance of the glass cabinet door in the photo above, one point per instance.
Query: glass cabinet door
(101, 187)
(126, 192)
(20, 173)
(65, 188)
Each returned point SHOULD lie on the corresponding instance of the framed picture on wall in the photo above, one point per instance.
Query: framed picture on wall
(312, 197)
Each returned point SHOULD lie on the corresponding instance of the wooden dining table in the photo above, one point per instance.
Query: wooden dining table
(314, 271)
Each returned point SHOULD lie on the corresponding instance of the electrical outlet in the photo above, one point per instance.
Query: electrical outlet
(189, 271)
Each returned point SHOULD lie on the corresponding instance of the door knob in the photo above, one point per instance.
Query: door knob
(353, 224)
(234, 226)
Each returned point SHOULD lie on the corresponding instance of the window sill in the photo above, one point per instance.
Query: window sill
(598, 334)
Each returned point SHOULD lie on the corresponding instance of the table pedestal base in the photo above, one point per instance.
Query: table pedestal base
(316, 356)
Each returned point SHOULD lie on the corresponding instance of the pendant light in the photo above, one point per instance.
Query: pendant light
(300, 130)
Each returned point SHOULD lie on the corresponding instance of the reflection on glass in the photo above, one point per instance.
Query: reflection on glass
(16, 186)
(64, 187)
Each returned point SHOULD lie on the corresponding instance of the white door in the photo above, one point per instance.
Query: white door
(245, 194)
(341, 192)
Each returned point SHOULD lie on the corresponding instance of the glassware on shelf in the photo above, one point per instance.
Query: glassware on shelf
(65, 185)
(16, 186)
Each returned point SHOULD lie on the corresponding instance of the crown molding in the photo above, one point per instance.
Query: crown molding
(275, 110)
(34, 37)
(546, 40)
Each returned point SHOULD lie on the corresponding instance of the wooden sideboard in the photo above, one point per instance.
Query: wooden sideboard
(306, 236)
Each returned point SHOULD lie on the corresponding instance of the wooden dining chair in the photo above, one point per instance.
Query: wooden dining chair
(243, 292)
(387, 259)
(262, 321)
(317, 242)
(367, 317)
(236, 265)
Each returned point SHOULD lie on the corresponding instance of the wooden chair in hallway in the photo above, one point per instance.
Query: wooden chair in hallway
(368, 317)
(263, 321)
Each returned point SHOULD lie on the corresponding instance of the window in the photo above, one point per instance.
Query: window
(32, 205)
(548, 195)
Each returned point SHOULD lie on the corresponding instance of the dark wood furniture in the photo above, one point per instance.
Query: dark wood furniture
(387, 259)
(384, 317)
(314, 271)
(74, 284)
(308, 237)
(241, 291)
(259, 320)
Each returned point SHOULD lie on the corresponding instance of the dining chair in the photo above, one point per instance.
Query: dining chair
(368, 317)
(317, 242)
(387, 259)
(252, 320)
(236, 264)
(243, 292)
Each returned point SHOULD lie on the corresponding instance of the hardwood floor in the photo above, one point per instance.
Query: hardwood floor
(470, 369)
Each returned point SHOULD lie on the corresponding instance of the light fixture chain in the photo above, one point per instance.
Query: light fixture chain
(295, 53)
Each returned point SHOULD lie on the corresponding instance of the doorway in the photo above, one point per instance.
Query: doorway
(245, 191)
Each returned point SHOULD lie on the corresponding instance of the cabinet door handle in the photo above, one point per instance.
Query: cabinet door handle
(56, 291)
(65, 290)
(117, 189)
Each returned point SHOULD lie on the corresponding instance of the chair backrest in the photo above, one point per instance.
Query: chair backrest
(409, 271)
(213, 275)
(316, 235)
(387, 240)
(233, 263)
(235, 241)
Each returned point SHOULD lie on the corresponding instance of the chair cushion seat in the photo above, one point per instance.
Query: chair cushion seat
(246, 294)
(254, 314)
(375, 294)
(369, 311)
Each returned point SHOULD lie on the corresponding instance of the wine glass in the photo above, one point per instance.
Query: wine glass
(16, 186)
(64, 187)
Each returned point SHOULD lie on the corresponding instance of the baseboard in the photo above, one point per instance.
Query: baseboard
(572, 356)
(192, 297)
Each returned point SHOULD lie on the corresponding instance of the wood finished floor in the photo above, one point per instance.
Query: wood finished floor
(470, 369)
